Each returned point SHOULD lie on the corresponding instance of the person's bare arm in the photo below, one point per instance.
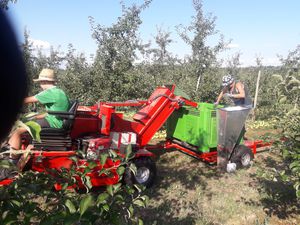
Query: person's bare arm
(219, 98)
(33, 99)
(241, 90)
(221, 95)
(40, 116)
(30, 99)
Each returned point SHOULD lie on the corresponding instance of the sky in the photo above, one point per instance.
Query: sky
(263, 28)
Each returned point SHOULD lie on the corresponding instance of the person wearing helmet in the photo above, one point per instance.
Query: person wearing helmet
(236, 91)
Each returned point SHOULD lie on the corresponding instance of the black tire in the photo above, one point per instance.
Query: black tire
(242, 156)
(146, 172)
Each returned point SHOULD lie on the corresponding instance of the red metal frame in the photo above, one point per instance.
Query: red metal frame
(211, 157)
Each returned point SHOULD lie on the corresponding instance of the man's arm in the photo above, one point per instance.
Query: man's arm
(30, 99)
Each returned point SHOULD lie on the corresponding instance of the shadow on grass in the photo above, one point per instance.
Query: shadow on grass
(190, 173)
(272, 163)
(176, 176)
(281, 199)
(278, 197)
(160, 215)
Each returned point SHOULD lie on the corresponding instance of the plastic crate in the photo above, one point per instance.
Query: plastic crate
(195, 126)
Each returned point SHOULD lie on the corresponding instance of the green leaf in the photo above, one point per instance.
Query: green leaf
(294, 81)
(29, 116)
(283, 100)
(85, 203)
(145, 198)
(106, 207)
(10, 220)
(141, 222)
(74, 158)
(52, 219)
(295, 89)
(16, 203)
(139, 202)
(297, 185)
(102, 198)
(70, 206)
(34, 130)
(285, 153)
(119, 198)
(181, 93)
(71, 220)
(115, 218)
(116, 187)
(130, 211)
(284, 178)
(65, 186)
(92, 164)
(298, 194)
(87, 182)
(128, 152)
(133, 168)
(102, 171)
(278, 77)
(293, 112)
(109, 190)
(120, 170)
(294, 164)
(103, 158)
(48, 221)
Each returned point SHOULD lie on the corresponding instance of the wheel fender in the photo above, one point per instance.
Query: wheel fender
(143, 153)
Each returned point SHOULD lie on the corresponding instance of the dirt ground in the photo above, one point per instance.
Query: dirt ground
(188, 191)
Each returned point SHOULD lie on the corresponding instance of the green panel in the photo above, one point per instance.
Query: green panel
(195, 126)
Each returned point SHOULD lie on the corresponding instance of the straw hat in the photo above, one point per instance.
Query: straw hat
(45, 75)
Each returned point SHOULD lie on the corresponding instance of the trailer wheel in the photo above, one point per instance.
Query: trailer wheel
(145, 174)
(243, 156)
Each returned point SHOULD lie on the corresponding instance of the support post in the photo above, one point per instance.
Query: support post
(256, 90)
(255, 97)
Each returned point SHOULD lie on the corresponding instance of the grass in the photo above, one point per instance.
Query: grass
(188, 191)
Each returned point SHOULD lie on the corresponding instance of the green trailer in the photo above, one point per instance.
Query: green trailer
(195, 126)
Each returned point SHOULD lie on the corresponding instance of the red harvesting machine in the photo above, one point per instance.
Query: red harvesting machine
(96, 129)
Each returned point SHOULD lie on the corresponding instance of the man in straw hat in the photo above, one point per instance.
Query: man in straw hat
(52, 97)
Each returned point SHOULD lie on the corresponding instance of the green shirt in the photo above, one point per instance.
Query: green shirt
(54, 99)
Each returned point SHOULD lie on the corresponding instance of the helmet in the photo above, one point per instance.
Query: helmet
(227, 80)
